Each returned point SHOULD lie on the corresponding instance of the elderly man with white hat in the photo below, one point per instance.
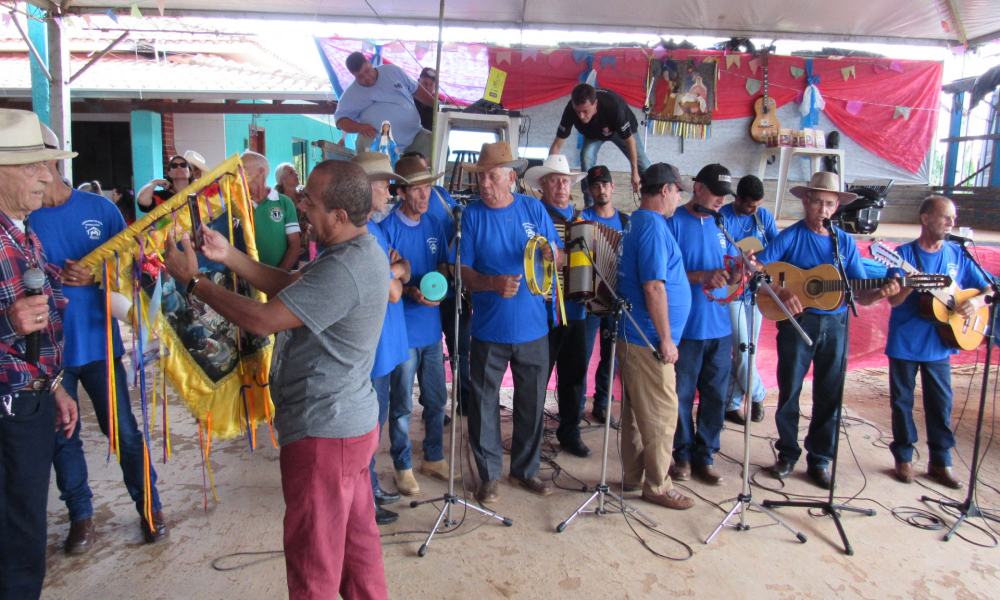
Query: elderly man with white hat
(807, 244)
(509, 324)
(31, 357)
(567, 341)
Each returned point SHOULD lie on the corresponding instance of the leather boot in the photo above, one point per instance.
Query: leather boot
(81, 536)
(158, 531)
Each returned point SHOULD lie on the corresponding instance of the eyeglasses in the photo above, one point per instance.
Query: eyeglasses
(178, 165)
(830, 204)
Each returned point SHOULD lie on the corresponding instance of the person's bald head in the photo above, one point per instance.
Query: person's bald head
(937, 217)
(255, 161)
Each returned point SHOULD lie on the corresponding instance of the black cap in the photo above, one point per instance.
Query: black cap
(750, 187)
(717, 179)
(662, 173)
(598, 174)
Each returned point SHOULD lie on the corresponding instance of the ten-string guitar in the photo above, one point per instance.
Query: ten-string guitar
(822, 288)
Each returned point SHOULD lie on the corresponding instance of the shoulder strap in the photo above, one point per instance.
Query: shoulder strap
(623, 218)
(556, 215)
(444, 203)
(916, 256)
(576, 213)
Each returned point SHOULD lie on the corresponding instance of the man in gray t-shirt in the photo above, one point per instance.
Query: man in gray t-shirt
(328, 318)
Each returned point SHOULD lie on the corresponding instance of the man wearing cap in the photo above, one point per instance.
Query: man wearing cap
(378, 94)
(71, 224)
(276, 224)
(427, 79)
(32, 402)
(651, 277)
(602, 188)
(601, 116)
(393, 346)
(421, 239)
(704, 360)
(808, 244)
(567, 341)
(746, 218)
(509, 324)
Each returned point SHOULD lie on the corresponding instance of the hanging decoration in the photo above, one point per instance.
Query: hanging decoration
(797, 72)
(901, 111)
(753, 86)
(732, 59)
(682, 97)
(135, 11)
(847, 72)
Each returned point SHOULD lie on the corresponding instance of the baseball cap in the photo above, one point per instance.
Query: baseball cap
(428, 72)
(717, 179)
(598, 174)
(662, 173)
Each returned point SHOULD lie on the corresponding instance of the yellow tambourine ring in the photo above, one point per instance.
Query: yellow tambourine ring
(531, 253)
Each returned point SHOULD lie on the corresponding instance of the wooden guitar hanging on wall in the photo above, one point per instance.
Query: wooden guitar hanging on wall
(765, 119)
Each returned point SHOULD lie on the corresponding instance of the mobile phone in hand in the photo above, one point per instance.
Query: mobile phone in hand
(196, 234)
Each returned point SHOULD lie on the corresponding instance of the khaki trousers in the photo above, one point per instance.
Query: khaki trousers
(649, 418)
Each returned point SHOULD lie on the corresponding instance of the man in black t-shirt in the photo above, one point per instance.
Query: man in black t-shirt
(601, 116)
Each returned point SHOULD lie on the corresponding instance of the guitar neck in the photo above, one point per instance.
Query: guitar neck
(942, 295)
(837, 285)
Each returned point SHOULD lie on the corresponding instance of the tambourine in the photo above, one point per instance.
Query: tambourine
(733, 290)
(537, 268)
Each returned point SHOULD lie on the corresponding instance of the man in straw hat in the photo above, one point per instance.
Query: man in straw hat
(393, 346)
(326, 317)
(509, 324)
(31, 399)
(419, 237)
(567, 342)
(808, 244)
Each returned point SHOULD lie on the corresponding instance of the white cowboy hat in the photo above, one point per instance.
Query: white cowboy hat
(196, 160)
(21, 141)
(555, 163)
(823, 181)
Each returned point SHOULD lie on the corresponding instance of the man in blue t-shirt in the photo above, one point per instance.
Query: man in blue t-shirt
(602, 211)
(509, 324)
(805, 245)
(419, 238)
(746, 218)
(914, 345)
(71, 224)
(651, 277)
(378, 94)
(705, 351)
(393, 347)
(567, 341)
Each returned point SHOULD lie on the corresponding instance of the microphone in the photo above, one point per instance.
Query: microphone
(829, 225)
(951, 237)
(575, 242)
(707, 211)
(457, 214)
(34, 281)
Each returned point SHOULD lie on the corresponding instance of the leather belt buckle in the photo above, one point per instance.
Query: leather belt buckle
(36, 384)
(7, 401)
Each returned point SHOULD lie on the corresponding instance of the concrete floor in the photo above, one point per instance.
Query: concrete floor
(596, 556)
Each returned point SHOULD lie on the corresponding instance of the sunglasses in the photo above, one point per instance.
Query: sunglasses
(178, 165)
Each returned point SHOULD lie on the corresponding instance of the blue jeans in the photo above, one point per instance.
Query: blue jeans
(381, 385)
(588, 158)
(738, 311)
(69, 461)
(935, 377)
(602, 383)
(427, 364)
(826, 355)
(703, 366)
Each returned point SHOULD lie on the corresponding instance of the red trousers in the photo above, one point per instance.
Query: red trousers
(331, 541)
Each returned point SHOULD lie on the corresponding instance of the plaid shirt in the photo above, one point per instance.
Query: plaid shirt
(16, 250)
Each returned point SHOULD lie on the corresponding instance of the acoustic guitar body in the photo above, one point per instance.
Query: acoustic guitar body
(956, 331)
(806, 285)
(765, 119)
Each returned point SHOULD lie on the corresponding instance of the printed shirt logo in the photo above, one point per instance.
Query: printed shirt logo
(277, 215)
(722, 240)
(953, 271)
(529, 229)
(398, 85)
(606, 131)
(93, 229)
(432, 245)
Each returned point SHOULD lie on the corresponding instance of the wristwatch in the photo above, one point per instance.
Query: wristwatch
(194, 282)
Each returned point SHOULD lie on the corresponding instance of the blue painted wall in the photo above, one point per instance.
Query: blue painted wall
(39, 36)
(147, 149)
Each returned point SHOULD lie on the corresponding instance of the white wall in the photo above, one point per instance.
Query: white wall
(205, 134)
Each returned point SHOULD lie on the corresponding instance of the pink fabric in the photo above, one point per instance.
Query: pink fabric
(331, 541)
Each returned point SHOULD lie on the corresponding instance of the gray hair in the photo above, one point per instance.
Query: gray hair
(255, 160)
(932, 202)
(279, 173)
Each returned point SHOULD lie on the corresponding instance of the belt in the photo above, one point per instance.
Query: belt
(25, 399)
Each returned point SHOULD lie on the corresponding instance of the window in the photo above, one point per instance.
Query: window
(300, 159)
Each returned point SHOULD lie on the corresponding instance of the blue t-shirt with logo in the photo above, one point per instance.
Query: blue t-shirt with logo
(615, 222)
(437, 210)
(390, 99)
(703, 248)
(423, 244)
(649, 252)
(574, 310)
(805, 249)
(393, 347)
(744, 226)
(71, 231)
(493, 243)
(911, 337)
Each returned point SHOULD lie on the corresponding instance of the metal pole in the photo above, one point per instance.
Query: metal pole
(59, 67)
(437, 92)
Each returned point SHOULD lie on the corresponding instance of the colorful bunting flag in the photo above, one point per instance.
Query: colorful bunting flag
(753, 86)
(901, 111)
(367, 46)
(797, 72)
(135, 11)
(111, 15)
(754, 65)
(847, 72)
(527, 55)
(550, 50)
(160, 5)
(579, 55)
(853, 107)
(474, 49)
(503, 57)
(732, 59)
(86, 17)
(608, 60)
(421, 49)
(556, 60)
(6, 19)
(896, 66)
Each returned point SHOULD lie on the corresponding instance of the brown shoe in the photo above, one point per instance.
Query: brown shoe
(672, 499)
(81, 536)
(489, 491)
(680, 471)
(437, 469)
(904, 472)
(945, 477)
(628, 489)
(158, 531)
(406, 483)
(707, 474)
(535, 485)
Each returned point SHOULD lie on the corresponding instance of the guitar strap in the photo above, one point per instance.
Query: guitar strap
(760, 228)
(446, 207)
(916, 256)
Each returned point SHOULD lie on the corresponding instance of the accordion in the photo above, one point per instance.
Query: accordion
(596, 257)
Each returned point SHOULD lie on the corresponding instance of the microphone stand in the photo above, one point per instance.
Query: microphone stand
(828, 507)
(969, 508)
(450, 499)
(745, 498)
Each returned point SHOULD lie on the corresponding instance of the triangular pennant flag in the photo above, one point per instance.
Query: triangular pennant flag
(449, 47)
(397, 47)
(879, 69)
(896, 66)
(733, 59)
(659, 53)
(6, 19)
(797, 72)
(958, 50)
(800, 96)
(556, 59)
(753, 86)
(550, 50)
(135, 11)
(474, 50)
(503, 57)
(367, 46)
(847, 72)
(754, 65)
(420, 50)
(111, 15)
(527, 55)
(608, 60)
(853, 107)
(86, 17)
(579, 55)
(902, 111)
(160, 5)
